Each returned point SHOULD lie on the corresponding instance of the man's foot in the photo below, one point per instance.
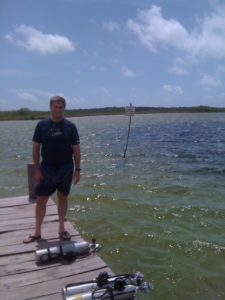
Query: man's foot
(64, 235)
(31, 238)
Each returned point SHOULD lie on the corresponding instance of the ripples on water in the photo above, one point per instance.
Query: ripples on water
(161, 210)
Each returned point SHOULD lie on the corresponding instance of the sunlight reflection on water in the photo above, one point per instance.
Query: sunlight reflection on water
(162, 208)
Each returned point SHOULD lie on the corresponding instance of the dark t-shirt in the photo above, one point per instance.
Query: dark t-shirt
(56, 139)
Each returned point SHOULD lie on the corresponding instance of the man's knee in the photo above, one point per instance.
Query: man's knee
(42, 201)
(61, 196)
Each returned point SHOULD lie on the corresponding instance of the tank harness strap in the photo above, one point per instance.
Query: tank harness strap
(79, 283)
(61, 250)
(49, 254)
(107, 290)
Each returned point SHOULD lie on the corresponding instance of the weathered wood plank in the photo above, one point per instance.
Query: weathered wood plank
(62, 267)
(29, 227)
(44, 289)
(49, 232)
(9, 228)
(8, 224)
(22, 200)
(20, 276)
(28, 264)
(11, 260)
(26, 248)
(14, 201)
(27, 277)
(55, 296)
(23, 211)
(48, 238)
(28, 220)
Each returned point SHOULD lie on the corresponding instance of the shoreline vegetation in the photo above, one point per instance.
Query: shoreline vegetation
(27, 114)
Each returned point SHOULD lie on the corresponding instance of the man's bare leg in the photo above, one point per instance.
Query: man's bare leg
(40, 211)
(62, 211)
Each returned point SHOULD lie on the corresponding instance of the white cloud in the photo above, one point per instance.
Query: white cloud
(105, 91)
(79, 102)
(29, 97)
(36, 41)
(221, 69)
(178, 70)
(15, 73)
(127, 72)
(173, 89)
(111, 26)
(207, 39)
(209, 81)
(33, 96)
(97, 68)
(112, 60)
(178, 67)
(152, 29)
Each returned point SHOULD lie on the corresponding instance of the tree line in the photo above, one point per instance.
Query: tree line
(27, 114)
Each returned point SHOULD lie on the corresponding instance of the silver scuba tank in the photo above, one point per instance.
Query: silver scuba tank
(101, 281)
(117, 287)
(71, 290)
(127, 293)
(44, 255)
(67, 250)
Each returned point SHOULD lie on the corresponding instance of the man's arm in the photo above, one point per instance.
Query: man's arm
(36, 159)
(76, 156)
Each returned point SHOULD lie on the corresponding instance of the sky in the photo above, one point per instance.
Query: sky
(110, 53)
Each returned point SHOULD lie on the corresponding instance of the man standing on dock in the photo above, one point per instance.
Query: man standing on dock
(56, 140)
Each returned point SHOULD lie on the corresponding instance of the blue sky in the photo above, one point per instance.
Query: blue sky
(101, 53)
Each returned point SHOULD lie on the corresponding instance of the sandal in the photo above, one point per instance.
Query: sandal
(31, 238)
(64, 236)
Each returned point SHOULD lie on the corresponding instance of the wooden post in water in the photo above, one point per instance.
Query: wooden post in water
(31, 182)
(129, 110)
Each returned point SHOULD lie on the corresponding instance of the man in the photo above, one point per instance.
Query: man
(56, 140)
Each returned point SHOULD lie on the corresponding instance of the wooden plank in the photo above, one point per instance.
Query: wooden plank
(20, 276)
(44, 289)
(48, 237)
(55, 296)
(11, 260)
(28, 220)
(26, 248)
(28, 226)
(9, 228)
(24, 211)
(14, 201)
(8, 224)
(49, 232)
(25, 264)
(26, 277)
(31, 266)
(22, 200)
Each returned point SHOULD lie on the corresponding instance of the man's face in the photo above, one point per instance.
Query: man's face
(57, 110)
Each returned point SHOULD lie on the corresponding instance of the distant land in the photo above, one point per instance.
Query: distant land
(27, 114)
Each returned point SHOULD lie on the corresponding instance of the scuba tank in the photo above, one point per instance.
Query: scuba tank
(68, 251)
(127, 293)
(118, 287)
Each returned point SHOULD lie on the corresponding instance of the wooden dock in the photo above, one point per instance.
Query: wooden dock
(20, 277)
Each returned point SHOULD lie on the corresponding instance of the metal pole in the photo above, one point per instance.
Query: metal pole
(128, 134)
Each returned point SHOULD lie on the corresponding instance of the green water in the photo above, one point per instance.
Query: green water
(160, 211)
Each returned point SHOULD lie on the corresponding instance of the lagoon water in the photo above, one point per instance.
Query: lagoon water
(161, 210)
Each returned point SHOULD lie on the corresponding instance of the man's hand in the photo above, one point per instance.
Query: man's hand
(37, 174)
(76, 177)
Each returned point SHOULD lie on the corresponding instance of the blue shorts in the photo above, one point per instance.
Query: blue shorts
(55, 178)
